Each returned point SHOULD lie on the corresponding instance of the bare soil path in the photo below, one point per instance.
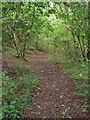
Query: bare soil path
(54, 97)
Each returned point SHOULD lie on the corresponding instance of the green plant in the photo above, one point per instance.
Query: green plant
(54, 57)
(17, 94)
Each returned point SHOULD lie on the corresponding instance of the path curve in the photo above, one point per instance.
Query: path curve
(54, 97)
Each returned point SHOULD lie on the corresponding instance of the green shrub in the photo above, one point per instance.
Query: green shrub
(17, 95)
(78, 72)
(54, 57)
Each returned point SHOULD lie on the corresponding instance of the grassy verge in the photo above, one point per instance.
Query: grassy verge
(79, 72)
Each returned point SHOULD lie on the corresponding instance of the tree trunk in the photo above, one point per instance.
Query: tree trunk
(83, 55)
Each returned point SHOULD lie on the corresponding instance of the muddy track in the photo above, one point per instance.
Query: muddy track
(54, 97)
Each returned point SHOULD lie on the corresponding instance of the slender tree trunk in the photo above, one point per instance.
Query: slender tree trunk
(75, 46)
(83, 55)
(15, 45)
(24, 49)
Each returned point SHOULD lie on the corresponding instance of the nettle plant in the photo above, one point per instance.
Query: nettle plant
(17, 95)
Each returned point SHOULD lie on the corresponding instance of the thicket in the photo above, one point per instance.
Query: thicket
(33, 25)
(17, 95)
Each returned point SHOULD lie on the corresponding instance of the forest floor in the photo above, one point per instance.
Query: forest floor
(54, 96)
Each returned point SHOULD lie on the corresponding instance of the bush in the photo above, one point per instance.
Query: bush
(55, 57)
(79, 72)
(17, 95)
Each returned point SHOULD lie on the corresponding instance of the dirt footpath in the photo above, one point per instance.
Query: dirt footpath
(54, 97)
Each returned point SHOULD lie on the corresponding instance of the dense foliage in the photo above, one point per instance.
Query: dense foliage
(65, 25)
(17, 95)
